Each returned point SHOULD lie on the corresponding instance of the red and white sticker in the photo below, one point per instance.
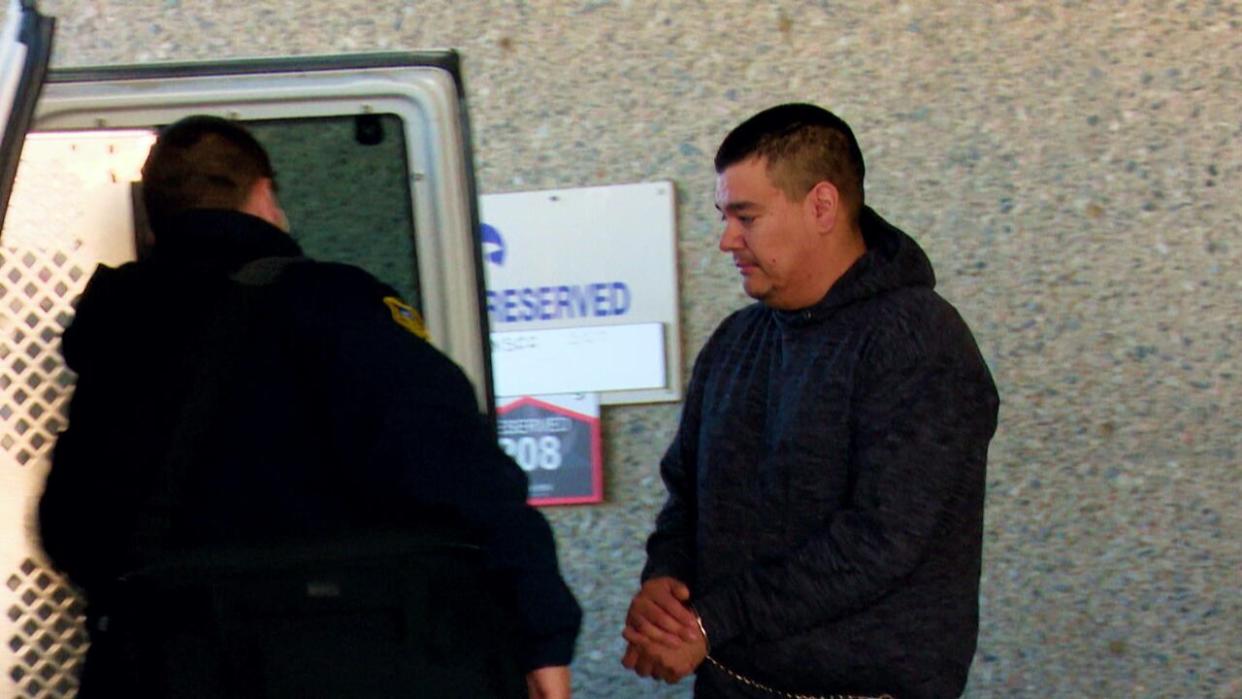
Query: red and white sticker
(555, 439)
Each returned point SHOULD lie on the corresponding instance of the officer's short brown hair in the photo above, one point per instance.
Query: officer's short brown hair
(201, 162)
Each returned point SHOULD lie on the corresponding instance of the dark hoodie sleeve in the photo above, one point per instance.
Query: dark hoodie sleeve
(410, 427)
(671, 547)
(923, 417)
(85, 507)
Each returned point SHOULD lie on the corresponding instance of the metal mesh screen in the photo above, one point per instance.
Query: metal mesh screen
(33, 379)
(70, 210)
(48, 640)
(43, 615)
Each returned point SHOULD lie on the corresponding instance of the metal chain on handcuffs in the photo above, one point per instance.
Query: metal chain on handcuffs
(765, 688)
(781, 693)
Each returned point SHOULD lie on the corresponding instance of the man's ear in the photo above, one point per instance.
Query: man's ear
(824, 204)
(262, 202)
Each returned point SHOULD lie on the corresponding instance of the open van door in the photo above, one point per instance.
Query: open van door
(373, 159)
(25, 52)
(42, 626)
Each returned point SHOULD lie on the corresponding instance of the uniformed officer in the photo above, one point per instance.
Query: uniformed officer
(231, 394)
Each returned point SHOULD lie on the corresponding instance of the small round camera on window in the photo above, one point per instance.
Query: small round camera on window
(368, 130)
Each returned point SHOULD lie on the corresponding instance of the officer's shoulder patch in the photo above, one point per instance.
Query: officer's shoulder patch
(406, 316)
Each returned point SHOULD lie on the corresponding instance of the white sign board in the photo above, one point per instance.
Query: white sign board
(599, 258)
(596, 358)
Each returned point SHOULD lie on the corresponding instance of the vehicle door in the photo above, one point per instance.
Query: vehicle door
(373, 159)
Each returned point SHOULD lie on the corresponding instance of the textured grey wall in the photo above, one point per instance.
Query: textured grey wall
(1072, 169)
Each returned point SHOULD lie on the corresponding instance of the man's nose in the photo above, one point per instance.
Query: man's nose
(730, 238)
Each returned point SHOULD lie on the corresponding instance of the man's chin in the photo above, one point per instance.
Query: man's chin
(755, 291)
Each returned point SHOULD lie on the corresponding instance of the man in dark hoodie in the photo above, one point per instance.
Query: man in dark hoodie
(823, 529)
(233, 394)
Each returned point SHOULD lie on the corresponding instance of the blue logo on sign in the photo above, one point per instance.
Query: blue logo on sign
(493, 245)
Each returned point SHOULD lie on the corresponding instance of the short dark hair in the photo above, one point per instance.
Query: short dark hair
(201, 162)
(803, 145)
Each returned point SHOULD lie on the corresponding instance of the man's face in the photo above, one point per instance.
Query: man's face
(771, 238)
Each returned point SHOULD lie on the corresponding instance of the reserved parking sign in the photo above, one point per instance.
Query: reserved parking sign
(582, 292)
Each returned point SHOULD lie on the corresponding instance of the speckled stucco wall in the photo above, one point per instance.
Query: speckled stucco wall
(1071, 167)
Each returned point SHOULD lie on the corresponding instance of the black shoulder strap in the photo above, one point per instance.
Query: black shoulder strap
(265, 270)
(223, 344)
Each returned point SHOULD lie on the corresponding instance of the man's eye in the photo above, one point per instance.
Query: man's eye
(746, 220)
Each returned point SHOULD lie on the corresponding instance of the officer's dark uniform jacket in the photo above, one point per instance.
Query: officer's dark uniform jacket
(337, 419)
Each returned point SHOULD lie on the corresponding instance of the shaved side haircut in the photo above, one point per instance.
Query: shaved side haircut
(803, 145)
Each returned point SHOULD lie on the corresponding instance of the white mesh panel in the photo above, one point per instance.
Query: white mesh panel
(33, 379)
(70, 211)
(43, 615)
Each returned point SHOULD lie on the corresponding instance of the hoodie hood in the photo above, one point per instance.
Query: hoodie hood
(193, 256)
(892, 261)
(220, 240)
